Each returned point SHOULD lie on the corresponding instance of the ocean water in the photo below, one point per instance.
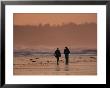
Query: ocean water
(48, 55)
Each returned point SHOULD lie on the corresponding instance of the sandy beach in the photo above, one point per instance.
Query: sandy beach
(33, 65)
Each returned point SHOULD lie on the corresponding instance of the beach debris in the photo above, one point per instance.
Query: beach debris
(33, 61)
(36, 58)
(48, 61)
(92, 57)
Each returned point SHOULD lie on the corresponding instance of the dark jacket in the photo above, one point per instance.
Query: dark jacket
(57, 53)
(66, 51)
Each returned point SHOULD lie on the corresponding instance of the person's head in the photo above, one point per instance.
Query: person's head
(66, 47)
(57, 48)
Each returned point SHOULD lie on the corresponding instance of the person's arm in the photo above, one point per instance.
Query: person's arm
(64, 51)
(69, 51)
(55, 53)
(60, 53)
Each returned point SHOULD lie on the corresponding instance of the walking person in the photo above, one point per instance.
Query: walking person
(66, 52)
(57, 54)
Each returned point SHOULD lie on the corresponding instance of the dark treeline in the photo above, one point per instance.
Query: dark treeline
(63, 26)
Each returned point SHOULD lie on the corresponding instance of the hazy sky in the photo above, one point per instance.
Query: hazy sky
(82, 36)
(53, 19)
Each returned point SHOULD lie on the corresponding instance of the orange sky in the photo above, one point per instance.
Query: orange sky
(53, 19)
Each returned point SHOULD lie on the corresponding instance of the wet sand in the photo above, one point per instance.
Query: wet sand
(78, 65)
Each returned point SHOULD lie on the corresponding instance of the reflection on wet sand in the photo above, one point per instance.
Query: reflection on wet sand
(66, 67)
(78, 65)
(57, 68)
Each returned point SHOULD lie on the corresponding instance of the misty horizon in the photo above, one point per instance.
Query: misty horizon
(47, 24)
(71, 35)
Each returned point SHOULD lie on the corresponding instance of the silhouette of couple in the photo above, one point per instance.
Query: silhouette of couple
(58, 54)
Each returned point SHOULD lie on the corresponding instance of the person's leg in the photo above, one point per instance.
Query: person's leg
(66, 57)
(66, 61)
(57, 60)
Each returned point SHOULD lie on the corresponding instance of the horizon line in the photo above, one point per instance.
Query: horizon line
(55, 24)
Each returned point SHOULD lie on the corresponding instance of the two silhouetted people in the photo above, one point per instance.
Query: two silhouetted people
(57, 54)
